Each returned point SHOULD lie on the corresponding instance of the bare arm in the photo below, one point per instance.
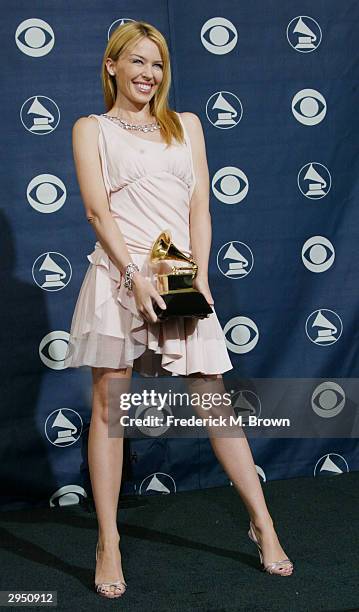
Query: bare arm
(89, 174)
(200, 217)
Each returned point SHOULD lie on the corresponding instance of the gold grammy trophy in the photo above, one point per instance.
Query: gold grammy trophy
(176, 287)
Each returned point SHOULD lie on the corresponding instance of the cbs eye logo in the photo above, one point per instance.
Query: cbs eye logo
(318, 254)
(328, 399)
(232, 185)
(69, 495)
(309, 107)
(153, 410)
(46, 193)
(53, 348)
(219, 36)
(34, 37)
(243, 334)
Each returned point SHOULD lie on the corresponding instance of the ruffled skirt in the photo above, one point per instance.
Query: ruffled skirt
(107, 329)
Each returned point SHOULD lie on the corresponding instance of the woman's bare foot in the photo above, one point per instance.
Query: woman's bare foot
(270, 545)
(109, 568)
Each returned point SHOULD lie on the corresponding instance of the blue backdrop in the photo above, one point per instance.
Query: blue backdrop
(275, 86)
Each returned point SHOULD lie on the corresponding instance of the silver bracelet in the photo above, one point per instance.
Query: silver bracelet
(130, 269)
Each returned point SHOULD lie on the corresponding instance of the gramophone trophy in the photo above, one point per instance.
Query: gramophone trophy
(176, 287)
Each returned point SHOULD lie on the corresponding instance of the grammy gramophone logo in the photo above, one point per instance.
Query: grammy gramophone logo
(63, 427)
(224, 110)
(304, 34)
(40, 115)
(314, 180)
(51, 271)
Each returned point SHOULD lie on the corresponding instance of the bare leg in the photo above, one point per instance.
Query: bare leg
(235, 456)
(105, 457)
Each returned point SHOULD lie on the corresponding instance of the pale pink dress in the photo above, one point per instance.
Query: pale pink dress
(149, 188)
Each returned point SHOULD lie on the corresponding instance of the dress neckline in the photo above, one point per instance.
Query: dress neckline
(163, 144)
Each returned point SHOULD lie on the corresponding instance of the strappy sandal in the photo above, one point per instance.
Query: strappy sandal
(276, 565)
(104, 588)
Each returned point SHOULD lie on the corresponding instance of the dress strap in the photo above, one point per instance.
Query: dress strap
(102, 153)
(188, 142)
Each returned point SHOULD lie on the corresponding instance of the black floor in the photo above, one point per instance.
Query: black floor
(190, 551)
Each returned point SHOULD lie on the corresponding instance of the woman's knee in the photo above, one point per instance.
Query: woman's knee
(108, 384)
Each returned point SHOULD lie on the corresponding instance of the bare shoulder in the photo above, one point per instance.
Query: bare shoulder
(191, 121)
(85, 128)
(194, 128)
(200, 197)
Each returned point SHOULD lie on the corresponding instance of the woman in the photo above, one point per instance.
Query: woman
(136, 181)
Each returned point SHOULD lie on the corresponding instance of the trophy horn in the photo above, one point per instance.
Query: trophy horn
(176, 287)
(163, 248)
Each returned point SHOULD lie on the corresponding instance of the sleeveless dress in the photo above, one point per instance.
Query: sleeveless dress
(149, 186)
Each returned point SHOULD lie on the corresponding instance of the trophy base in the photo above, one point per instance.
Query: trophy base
(190, 304)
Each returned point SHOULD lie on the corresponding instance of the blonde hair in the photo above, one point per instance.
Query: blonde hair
(121, 39)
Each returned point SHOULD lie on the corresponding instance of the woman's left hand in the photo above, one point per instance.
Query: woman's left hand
(201, 284)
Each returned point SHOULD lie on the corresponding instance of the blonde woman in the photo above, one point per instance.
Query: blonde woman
(142, 168)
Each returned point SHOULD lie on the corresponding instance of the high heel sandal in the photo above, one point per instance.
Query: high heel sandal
(274, 565)
(104, 587)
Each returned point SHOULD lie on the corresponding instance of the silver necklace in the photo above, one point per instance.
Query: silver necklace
(145, 127)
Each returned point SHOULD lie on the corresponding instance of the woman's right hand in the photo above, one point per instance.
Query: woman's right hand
(143, 292)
